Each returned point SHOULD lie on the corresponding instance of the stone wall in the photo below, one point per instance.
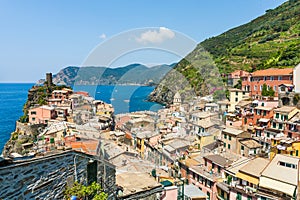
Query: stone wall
(47, 177)
(27, 129)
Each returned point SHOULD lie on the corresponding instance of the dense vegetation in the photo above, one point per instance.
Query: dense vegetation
(92, 191)
(271, 40)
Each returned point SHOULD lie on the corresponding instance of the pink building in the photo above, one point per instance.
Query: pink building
(207, 176)
(41, 115)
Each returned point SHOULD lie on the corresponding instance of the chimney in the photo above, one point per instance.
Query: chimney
(49, 79)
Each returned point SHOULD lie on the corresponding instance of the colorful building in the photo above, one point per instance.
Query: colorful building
(41, 115)
(253, 82)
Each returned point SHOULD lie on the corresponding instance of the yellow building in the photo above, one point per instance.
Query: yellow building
(284, 146)
(236, 95)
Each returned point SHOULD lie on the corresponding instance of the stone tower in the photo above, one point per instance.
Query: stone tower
(177, 99)
(49, 79)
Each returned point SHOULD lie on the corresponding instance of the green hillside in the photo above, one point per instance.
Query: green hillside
(271, 40)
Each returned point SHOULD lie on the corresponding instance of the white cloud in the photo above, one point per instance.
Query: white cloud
(156, 36)
(102, 36)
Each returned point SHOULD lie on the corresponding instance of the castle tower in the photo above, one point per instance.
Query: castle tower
(49, 79)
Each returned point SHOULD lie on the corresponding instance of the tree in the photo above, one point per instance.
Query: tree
(92, 191)
(267, 92)
(264, 91)
(239, 84)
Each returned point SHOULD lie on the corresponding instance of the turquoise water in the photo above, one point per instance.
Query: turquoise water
(123, 98)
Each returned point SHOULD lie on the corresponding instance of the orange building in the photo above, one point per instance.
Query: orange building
(272, 77)
(263, 115)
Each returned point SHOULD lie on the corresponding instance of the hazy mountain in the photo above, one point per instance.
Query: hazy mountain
(131, 74)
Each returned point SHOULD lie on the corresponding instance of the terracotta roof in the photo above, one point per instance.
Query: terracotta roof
(273, 72)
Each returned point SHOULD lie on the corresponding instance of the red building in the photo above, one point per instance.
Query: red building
(272, 77)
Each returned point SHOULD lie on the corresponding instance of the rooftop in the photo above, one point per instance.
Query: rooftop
(283, 173)
(136, 182)
(233, 131)
(237, 165)
(263, 108)
(218, 160)
(244, 103)
(203, 114)
(255, 166)
(250, 143)
(285, 109)
(193, 191)
(273, 72)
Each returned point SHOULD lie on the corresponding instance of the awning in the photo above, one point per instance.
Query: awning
(277, 185)
(248, 178)
(264, 120)
(255, 101)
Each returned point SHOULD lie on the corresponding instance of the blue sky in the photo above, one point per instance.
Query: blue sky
(44, 36)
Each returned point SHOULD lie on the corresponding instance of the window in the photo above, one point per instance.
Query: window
(265, 78)
(33, 119)
(225, 136)
(297, 152)
(219, 169)
(236, 93)
(208, 195)
(249, 198)
(280, 126)
(260, 88)
(239, 196)
(265, 113)
(228, 146)
(258, 112)
(225, 144)
(242, 147)
(268, 134)
(279, 78)
(274, 125)
(277, 115)
(229, 137)
(254, 151)
(275, 88)
(271, 78)
(255, 87)
(268, 87)
(236, 99)
(33, 112)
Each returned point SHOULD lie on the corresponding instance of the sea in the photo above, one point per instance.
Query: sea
(124, 98)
